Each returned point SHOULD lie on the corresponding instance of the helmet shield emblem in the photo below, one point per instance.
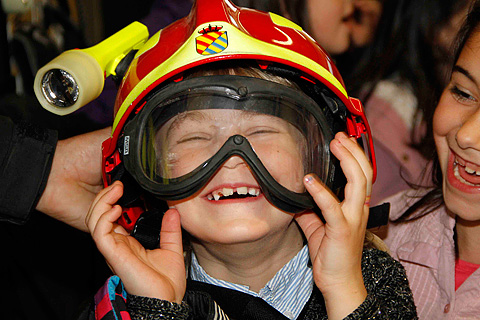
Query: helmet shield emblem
(211, 41)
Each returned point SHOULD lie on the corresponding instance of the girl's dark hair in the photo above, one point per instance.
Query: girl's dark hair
(434, 199)
(404, 46)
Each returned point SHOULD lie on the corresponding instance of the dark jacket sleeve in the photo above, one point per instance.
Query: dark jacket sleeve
(26, 154)
(389, 295)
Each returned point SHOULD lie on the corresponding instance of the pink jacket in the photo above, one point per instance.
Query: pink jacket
(426, 249)
(389, 112)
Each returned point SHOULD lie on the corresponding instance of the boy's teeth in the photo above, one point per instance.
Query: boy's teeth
(253, 192)
(227, 192)
(242, 190)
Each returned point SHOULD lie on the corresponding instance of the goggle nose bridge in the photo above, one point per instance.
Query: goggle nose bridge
(181, 188)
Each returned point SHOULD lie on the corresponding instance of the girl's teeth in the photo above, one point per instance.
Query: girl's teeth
(457, 174)
(242, 190)
(469, 171)
(216, 196)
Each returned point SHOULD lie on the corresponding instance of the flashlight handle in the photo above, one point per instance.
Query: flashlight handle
(86, 70)
(112, 50)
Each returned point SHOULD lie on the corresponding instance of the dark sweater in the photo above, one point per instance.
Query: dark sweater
(389, 297)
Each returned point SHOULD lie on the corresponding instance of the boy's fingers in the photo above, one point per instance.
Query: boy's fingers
(104, 224)
(171, 232)
(102, 234)
(325, 200)
(309, 222)
(359, 154)
(103, 192)
(103, 202)
(358, 184)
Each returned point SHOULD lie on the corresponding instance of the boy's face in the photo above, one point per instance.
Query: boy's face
(231, 208)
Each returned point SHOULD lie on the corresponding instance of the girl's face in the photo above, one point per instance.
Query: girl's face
(330, 23)
(231, 208)
(456, 128)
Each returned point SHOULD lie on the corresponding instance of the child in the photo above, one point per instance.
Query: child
(399, 77)
(237, 119)
(337, 25)
(437, 238)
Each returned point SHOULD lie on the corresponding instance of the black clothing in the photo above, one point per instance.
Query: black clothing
(389, 297)
(26, 154)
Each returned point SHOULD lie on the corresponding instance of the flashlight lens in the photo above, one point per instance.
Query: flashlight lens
(60, 88)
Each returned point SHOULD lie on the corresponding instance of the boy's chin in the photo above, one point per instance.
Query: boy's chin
(238, 232)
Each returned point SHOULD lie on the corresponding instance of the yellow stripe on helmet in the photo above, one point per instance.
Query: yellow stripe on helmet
(239, 44)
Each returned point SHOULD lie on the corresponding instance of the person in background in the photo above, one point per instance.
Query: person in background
(40, 179)
(435, 232)
(39, 172)
(337, 25)
(399, 77)
(39, 175)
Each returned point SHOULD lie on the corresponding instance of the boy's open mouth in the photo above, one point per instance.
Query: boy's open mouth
(233, 193)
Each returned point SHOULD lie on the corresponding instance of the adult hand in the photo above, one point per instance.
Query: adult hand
(75, 178)
(336, 246)
(366, 16)
(158, 273)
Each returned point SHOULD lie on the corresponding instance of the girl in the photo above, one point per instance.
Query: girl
(437, 238)
(222, 115)
(398, 76)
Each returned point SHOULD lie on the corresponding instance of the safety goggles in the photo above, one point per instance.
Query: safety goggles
(188, 130)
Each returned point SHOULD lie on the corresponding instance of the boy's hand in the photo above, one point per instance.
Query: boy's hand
(336, 246)
(158, 273)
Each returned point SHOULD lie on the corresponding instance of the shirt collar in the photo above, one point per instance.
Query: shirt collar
(288, 291)
(426, 245)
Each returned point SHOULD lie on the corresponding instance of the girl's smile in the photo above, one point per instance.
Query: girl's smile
(463, 175)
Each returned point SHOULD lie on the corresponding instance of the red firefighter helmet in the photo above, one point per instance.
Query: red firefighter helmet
(218, 30)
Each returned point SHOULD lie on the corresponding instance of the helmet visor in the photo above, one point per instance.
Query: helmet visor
(177, 134)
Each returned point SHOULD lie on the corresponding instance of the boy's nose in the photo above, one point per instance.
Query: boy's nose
(234, 161)
(468, 136)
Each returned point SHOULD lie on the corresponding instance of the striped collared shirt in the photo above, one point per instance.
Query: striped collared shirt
(288, 291)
